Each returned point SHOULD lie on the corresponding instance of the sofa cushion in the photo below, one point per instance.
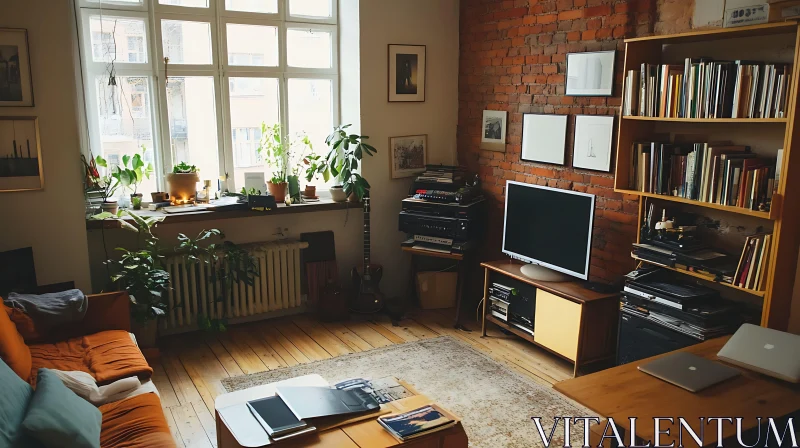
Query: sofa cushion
(24, 324)
(13, 403)
(13, 349)
(107, 356)
(136, 422)
(58, 418)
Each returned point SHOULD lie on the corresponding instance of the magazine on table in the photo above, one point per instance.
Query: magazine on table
(417, 422)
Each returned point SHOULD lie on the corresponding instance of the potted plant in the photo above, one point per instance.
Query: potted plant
(276, 157)
(258, 202)
(183, 183)
(108, 186)
(140, 272)
(344, 157)
(132, 173)
(316, 165)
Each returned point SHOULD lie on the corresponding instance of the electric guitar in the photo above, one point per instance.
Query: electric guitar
(367, 297)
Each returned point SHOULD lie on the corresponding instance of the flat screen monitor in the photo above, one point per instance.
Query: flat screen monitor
(549, 227)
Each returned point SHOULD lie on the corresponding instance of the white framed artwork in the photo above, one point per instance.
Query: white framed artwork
(493, 130)
(591, 73)
(544, 138)
(593, 136)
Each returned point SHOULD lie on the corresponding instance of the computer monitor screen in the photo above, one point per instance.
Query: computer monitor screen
(549, 227)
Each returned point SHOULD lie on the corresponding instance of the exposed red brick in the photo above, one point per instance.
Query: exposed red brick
(570, 15)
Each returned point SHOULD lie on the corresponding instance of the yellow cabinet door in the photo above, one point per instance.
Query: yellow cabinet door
(557, 324)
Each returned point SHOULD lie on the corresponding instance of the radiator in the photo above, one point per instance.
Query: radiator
(276, 290)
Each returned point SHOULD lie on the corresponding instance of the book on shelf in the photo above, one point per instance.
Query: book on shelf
(417, 422)
(751, 271)
(718, 173)
(705, 88)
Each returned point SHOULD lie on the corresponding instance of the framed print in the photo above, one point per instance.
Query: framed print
(406, 73)
(408, 155)
(20, 154)
(590, 74)
(544, 138)
(593, 135)
(16, 87)
(493, 131)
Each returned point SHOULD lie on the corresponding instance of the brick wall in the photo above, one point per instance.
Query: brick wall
(513, 58)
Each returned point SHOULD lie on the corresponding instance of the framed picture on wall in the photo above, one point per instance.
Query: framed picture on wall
(408, 155)
(544, 138)
(591, 73)
(16, 87)
(20, 154)
(493, 130)
(593, 135)
(406, 73)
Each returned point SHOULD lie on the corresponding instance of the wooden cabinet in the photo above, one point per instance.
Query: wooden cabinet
(569, 320)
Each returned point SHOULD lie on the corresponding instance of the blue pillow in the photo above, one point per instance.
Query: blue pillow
(14, 401)
(58, 418)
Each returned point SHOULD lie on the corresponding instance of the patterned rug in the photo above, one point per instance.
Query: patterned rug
(495, 403)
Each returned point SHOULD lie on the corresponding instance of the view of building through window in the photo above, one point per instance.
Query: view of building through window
(175, 112)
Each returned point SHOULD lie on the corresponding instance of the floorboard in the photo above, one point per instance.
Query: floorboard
(192, 366)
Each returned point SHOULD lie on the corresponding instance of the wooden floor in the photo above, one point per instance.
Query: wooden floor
(192, 366)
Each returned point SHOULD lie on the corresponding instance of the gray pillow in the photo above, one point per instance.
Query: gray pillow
(14, 400)
(58, 418)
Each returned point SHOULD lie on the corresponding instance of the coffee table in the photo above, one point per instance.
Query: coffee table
(233, 417)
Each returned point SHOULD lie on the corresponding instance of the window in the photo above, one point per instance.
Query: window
(194, 80)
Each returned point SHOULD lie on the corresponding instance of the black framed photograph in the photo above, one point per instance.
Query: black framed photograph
(20, 154)
(16, 87)
(591, 73)
(544, 138)
(406, 73)
(409, 154)
(493, 131)
(593, 137)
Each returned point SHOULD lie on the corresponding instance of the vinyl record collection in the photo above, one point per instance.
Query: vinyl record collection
(704, 88)
(722, 174)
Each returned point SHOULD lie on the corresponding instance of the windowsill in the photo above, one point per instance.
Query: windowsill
(324, 204)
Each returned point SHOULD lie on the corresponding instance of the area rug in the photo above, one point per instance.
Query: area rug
(495, 403)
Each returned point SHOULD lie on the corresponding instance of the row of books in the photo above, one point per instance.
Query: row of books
(703, 88)
(722, 174)
(751, 271)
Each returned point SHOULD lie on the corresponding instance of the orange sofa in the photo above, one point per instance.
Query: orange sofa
(100, 345)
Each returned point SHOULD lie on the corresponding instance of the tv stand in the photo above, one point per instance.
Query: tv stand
(543, 274)
(569, 320)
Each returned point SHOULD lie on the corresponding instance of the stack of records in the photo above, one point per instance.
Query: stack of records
(687, 308)
(443, 174)
(417, 422)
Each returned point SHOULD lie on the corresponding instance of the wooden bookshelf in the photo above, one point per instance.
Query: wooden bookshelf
(784, 216)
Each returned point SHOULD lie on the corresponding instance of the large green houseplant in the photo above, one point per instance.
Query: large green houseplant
(343, 161)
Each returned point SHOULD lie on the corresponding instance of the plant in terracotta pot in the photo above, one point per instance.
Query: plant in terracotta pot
(284, 156)
(183, 183)
(343, 160)
(316, 166)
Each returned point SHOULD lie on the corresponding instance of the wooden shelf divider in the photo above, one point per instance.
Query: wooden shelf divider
(706, 120)
(772, 214)
(701, 277)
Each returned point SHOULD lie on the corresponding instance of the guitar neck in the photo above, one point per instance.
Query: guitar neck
(366, 233)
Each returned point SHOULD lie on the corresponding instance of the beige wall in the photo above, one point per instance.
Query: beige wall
(419, 22)
(51, 221)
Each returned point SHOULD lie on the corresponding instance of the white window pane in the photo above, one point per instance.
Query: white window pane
(118, 39)
(124, 2)
(125, 121)
(252, 45)
(193, 123)
(253, 101)
(310, 8)
(188, 3)
(186, 42)
(262, 6)
(308, 48)
(311, 109)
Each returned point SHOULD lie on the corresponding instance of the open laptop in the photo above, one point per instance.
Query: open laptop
(764, 350)
(688, 371)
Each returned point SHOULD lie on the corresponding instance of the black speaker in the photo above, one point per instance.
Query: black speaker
(639, 338)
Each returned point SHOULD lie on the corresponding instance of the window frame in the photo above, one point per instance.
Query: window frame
(219, 70)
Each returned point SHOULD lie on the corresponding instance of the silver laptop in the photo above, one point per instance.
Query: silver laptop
(764, 350)
(688, 371)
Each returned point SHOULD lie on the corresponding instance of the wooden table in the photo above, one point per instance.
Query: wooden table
(366, 433)
(624, 391)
